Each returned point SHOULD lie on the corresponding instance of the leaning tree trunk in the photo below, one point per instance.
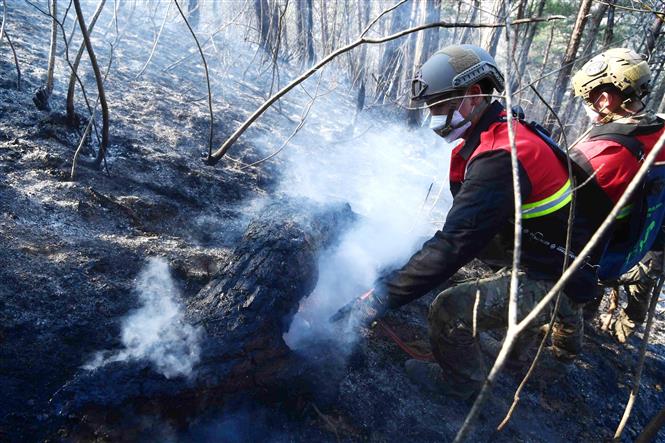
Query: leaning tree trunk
(561, 83)
(71, 114)
(43, 94)
(100, 85)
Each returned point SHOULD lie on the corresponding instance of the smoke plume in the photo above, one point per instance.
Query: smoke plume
(156, 331)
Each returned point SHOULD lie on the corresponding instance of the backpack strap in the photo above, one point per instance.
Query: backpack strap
(629, 142)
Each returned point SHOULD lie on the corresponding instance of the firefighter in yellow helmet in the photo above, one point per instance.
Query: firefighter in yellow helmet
(613, 86)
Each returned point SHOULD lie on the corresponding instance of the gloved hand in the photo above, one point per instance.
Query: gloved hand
(364, 310)
(622, 327)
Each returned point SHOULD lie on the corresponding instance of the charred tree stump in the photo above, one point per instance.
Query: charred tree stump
(244, 312)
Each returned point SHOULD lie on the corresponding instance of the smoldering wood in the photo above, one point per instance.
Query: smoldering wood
(244, 311)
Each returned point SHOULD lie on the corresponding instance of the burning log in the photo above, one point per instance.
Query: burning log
(244, 312)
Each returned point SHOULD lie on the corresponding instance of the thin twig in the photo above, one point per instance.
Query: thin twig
(640, 365)
(295, 131)
(512, 333)
(217, 155)
(205, 66)
(571, 212)
(154, 45)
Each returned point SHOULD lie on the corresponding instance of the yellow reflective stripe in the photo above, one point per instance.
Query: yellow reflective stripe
(625, 212)
(549, 204)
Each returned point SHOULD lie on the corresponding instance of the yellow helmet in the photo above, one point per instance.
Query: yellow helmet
(620, 67)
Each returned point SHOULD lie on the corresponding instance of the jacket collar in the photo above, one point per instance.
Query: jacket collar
(491, 115)
(647, 124)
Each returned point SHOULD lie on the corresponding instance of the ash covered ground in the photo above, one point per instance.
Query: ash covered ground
(108, 271)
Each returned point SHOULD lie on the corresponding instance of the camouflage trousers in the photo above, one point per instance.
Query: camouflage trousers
(451, 318)
(639, 282)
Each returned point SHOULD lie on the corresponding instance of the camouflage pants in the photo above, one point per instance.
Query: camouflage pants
(639, 282)
(451, 321)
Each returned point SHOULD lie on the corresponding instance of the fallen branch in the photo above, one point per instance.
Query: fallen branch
(649, 432)
(640, 365)
(205, 66)
(101, 153)
(217, 155)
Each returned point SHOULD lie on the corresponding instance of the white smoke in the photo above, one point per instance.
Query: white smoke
(385, 174)
(157, 330)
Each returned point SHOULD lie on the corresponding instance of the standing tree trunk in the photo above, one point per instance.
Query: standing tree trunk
(467, 35)
(363, 19)
(391, 60)
(100, 85)
(305, 39)
(262, 10)
(71, 115)
(561, 83)
(43, 94)
(528, 40)
(495, 34)
(426, 45)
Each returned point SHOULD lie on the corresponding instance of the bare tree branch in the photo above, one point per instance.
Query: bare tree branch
(154, 45)
(511, 333)
(217, 155)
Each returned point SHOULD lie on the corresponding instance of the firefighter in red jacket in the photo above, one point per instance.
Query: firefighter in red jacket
(456, 83)
(613, 86)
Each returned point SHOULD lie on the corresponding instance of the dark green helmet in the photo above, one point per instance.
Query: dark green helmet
(454, 68)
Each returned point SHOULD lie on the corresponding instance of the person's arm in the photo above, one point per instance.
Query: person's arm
(481, 208)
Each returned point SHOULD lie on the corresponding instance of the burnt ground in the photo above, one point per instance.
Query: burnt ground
(70, 253)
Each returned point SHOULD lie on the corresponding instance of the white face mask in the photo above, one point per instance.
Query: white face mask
(593, 115)
(457, 131)
(450, 131)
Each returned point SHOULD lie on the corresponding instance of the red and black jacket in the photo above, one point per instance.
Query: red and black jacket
(483, 207)
(612, 153)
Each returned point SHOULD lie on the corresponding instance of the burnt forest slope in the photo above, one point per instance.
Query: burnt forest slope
(236, 252)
